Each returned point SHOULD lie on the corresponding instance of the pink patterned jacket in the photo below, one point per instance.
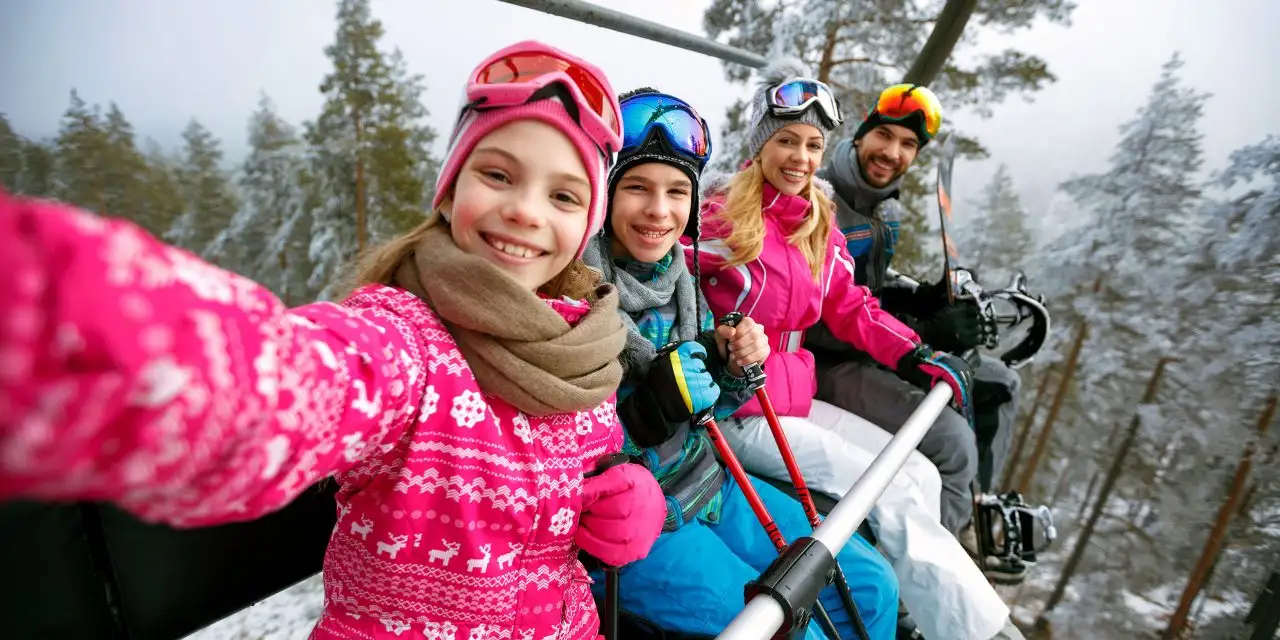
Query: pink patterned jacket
(132, 372)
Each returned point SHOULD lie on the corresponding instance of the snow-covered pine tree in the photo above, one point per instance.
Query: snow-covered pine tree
(992, 233)
(1120, 271)
(81, 152)
(11, 159)
(267, 237)
(208, 198)
(1232, 307)
(368, 148)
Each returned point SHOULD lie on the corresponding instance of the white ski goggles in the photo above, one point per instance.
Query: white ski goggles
(792, 97)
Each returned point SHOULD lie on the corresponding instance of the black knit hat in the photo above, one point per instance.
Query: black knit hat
(654, 148)
(914, 122)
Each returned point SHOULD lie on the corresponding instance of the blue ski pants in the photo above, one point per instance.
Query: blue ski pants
(692, 581)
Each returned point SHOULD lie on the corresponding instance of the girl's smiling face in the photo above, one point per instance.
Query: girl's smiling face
(521, 201)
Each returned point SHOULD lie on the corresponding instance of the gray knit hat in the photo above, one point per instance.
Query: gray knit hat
(763, 123)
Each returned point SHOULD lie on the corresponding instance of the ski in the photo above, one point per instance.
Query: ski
(946, 159)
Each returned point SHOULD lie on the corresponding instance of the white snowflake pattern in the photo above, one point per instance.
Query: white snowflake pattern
(468, 409)
(604, 414)
(561, 522)
(582, 423)
(440, 630)
(522, 428)
(477, 632)
(429, 401)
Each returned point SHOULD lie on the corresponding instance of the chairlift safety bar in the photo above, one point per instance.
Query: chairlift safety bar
(763, 616)
(593, 14)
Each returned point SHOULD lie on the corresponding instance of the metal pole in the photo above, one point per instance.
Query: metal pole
(616, 20)
(762, 616)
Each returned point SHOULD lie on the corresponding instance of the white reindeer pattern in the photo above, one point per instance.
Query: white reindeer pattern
(363, 527)
(444, 555)
(397, 543)
(480, 563)
(510, 556)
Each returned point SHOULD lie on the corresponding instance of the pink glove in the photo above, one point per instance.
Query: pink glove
(622, 514)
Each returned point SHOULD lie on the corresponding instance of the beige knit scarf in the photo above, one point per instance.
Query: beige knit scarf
(517, 346)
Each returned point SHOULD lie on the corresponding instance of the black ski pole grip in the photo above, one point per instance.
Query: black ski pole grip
(607, 462)
(794, 580)
(754, 371)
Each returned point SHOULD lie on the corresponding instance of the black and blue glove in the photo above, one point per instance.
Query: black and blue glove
(681, 382)
(678, 387)
(925, 368)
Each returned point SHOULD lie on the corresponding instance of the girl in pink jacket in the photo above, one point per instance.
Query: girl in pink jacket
(461, 396)
(770, 250)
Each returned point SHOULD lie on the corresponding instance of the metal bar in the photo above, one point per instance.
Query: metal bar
(617, 21)
(762, 616)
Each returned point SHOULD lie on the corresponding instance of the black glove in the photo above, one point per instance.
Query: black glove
(925, 368)
(677, 388)
(955, 328)
(921, 301)
(929, 298)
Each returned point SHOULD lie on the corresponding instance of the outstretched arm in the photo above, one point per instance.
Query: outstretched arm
(133, 372)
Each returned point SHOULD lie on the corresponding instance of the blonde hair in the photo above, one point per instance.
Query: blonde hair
(379, 265)
(744, 213)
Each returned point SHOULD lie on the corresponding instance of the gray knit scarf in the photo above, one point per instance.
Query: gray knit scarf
(846, 177)
(635, 297)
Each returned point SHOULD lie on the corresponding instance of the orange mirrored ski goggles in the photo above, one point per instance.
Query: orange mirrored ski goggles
(904, 100)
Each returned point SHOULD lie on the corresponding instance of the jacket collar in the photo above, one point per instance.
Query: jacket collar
(789, 211)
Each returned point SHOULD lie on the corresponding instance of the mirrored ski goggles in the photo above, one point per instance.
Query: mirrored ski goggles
(905, 100)
(793, 96)
(514, 75)
(685, 129)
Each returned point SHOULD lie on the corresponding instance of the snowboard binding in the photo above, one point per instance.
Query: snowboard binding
(1010, 532)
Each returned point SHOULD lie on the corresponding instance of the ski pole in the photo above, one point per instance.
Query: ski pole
(806, 500)
(611, 603)
(762, 514)
(611, 579)
(756, 378)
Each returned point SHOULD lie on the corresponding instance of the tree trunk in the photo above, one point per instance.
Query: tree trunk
(283, 260)
(828, 53)
(361, 222)
(1046, 432)
(1211, 546)
(1024, 433)
(1108, 484)
(946, 32)
(1088, 493)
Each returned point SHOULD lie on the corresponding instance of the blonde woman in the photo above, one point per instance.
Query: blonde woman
(770, 250)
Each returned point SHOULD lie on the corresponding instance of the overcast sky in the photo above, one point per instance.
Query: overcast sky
(164, 61)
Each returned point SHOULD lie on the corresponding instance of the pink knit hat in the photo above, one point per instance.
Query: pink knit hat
(476, 124)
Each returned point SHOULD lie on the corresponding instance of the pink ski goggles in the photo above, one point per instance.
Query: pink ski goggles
(513, 75)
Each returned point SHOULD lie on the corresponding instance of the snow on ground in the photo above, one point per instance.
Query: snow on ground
(288, 615)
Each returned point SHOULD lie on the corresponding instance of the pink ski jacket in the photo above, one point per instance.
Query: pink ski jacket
(132, 372)
(778, 290)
